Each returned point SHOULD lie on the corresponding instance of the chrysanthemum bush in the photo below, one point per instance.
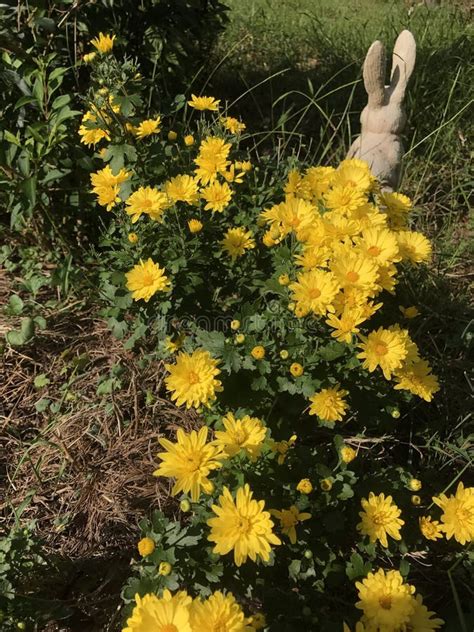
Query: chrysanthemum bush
(274, 302)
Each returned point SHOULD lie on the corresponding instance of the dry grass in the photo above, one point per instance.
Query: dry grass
(82, 468)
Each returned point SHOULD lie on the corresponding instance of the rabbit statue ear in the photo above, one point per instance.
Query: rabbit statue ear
(374, 74)
(403, 62)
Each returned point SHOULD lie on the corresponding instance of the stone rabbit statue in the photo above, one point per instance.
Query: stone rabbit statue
(383, 118)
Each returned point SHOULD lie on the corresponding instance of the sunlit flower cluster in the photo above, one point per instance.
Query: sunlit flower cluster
(389, 604)
(351, 240)
(178, 612)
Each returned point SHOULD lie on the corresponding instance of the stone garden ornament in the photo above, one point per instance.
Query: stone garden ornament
(383, 118)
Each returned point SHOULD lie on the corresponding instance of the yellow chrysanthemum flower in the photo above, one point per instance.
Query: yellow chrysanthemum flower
(354, 173)
(190, 461)
(345, 325)
(379, 244)
(355, 270)
(397, 206)
(106, 186)
(380, 518)
(164, 569)
(90, 132)
(339, 228)
(413, 246)
(146, 546)
(344, 199)
(458, 514)
(384, 348)
(145, 279)
(232, 176)
(132, 238)
(242, 526)
(304, 486)
(329, 404)
(189, 140)
(258, 352)
(171, 613)
(292, 216)
(148, 127)
(421, 620)
(326, 484)
(236, 241)
(89, 57)
(195, 226)
(313, 257)
(212, 159)
(314, 291)
(289, 518)
(386, 601)
(233, 125)
(282, 447)
(409, 312)
(347, 453)
(103, 43)
(204, 103)
(247, 434)
(192, 380)
(318, 180)
(182, 188)
(417, 378)
(148, 201)
(414, 484)
(431, 529)
(296, 369)
(217, 195)
(172, 136)
(297, 186)
(218, 613)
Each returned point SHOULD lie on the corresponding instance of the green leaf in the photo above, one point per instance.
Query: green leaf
(41, 380)
(15, 305)
(42, 404)
(26, 100)
(61, 101)
(8, 136)
(332, 351)
(27, 330)
(356, 567)
(28, 187)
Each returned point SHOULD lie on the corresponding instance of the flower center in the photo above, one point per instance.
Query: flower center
(288, 520)
(314, 293)
(381, 349)
(352, 276)
(374, 251)
(148, 279)
(193, 377)
(240, 436)
(386, 602)
(243, 525)
(379, 518)
(194, 462)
